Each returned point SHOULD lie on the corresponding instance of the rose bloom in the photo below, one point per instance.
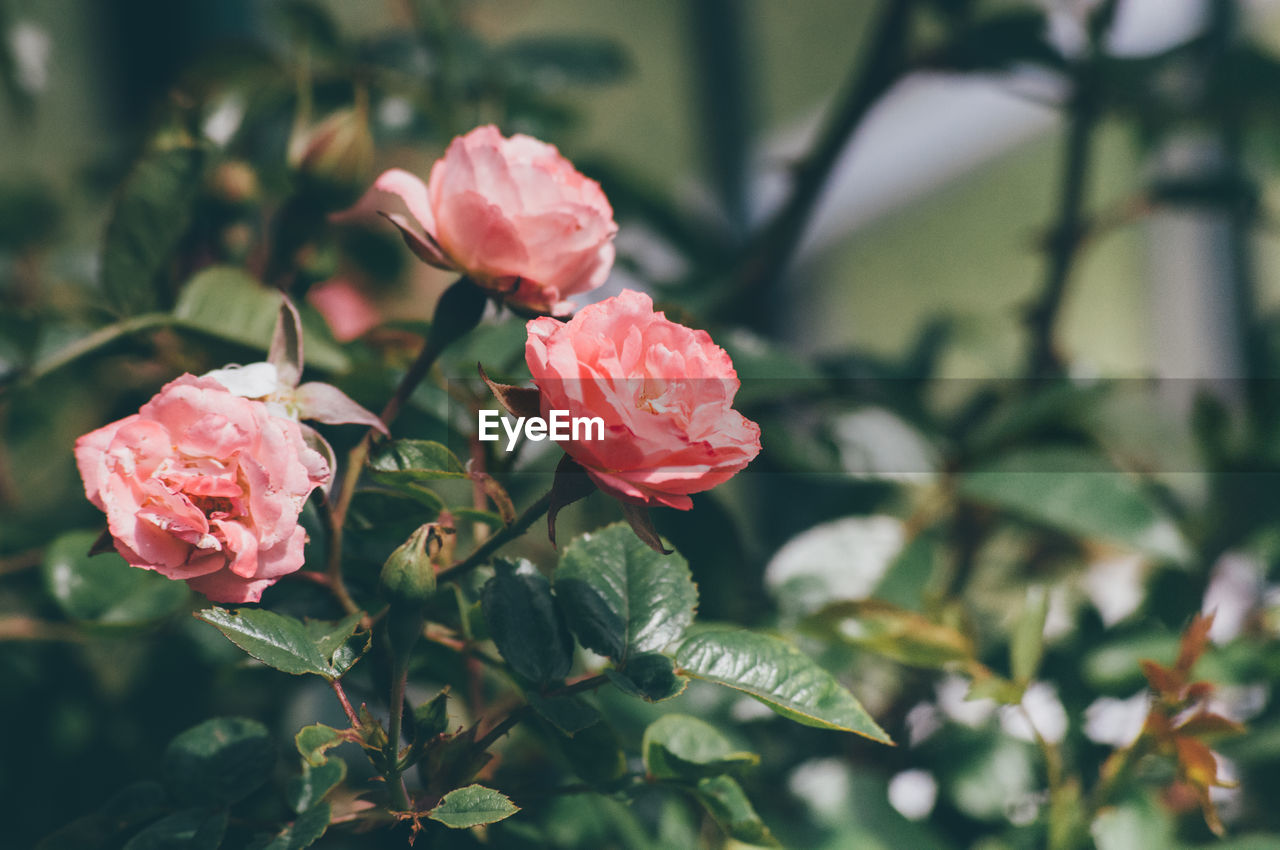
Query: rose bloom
(204, 486)
(664, 391)
(512, 214)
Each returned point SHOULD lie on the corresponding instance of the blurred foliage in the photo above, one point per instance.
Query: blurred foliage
(1005, 577)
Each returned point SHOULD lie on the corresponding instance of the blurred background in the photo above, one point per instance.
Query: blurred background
(949, 243)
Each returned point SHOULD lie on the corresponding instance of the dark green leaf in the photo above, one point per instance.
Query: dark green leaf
(595, 754)
(526, 625)
(190, 829)
(554, 61)
(218, 762)
(309, 789)
(620, 596)
(567, 713)
(677, 746)
(412, 461)
(725, 801)
(1077, 493)
(287, 644)
(103, 589)
(474, 805)
(779, 675)
(650, 676)
(150, 217)
(304, 831)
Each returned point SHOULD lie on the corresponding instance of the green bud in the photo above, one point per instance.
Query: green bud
(408, 577)
(431, 718)
(337, 150)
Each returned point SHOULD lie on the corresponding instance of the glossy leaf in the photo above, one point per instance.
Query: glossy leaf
(474, 805)
(103, 589)
(287, 644)
(650, 676)
(412, 461)
(622, 598)
(219, 761)
(678, 746)
(595, 754)
(526, 625)
(1075, 492)
(189, 829)
(725, 801)
(779, 675)
(150, 216)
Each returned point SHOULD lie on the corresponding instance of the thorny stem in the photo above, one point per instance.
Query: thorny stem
(499, 539)
(395, 780)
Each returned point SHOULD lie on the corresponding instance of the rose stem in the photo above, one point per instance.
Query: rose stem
(458, 312)
(497, 541)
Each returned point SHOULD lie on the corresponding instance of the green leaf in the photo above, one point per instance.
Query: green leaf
(103, 589)
(779, 675)
(218, 762)
(287, 644)
(1077, 493)
(526, 625)
(595, 754)
(414, 461)
(888, 630)
(474, 805)
(567, 713)
(304, 831)
(313, 741)
(620, 596)
(650, 676)
(226, 302)
(678, 746)
(151, 215)
(309, 789)
(563, 59)
(725, 801)
(1026, 645)
(190, 829)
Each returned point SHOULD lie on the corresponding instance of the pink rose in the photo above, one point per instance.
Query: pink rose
(204, 486)
(664, 391)
(512, 214)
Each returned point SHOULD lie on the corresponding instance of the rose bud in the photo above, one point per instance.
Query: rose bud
(204, 486)
(408, 576)
(664, 391)
(512, 214)
(337, 150)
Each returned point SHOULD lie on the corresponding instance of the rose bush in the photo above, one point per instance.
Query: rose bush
(511, 213)
(205, 486)
(664, 391)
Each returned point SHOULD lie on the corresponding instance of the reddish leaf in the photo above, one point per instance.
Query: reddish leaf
(518, 401)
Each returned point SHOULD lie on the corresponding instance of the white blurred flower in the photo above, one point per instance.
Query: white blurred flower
(31, 46)
(952, 699)
(913, 793)
(1116, 722)
(844, 559)
(823, 784)
(1235, 589)
(1114, 586)
(1041, 703)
